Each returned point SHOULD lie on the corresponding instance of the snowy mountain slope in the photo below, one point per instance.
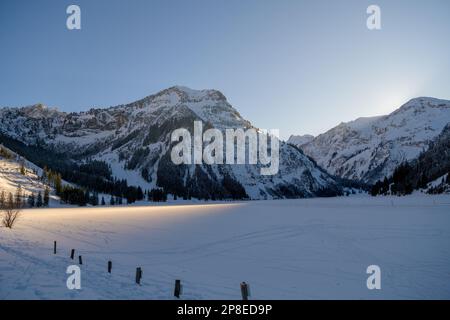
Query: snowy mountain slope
(369, 149)
(428, 172)
(11, 177)
(441, 185)
(300, 140)
(134, 139)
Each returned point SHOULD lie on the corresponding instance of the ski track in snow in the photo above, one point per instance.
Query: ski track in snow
(286, 249)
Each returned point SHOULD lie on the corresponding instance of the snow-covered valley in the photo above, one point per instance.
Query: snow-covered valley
(285, 249)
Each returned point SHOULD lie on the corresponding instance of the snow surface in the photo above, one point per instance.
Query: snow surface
(285, 249)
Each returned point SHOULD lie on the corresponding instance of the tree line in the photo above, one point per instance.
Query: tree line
(21, 200)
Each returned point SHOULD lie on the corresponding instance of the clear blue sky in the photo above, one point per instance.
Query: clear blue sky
(300, 66)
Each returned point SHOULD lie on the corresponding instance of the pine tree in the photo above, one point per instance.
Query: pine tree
(112, 202)
(19, 196)
(94, 199)
(39, 202)
(103, 201)
(22, 169)
(139, 194)
(58, 184)
(2, 199)
(46, 196)
(10, 202)
(385, 187)
(87, 197)
(31, 200)
(44, 176)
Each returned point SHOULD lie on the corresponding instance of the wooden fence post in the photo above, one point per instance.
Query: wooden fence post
(244, 291)
(80, 260)
(138, 275)
(109, 266)
(72, 254)
(54, 247)
(177, 290)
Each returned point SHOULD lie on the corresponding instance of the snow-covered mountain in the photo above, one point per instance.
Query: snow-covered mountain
(428, 173)
(134, 139)
(369, 149)
(300, 140)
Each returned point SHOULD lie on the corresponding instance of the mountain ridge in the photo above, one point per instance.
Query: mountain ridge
(134, 140)
(370, 148)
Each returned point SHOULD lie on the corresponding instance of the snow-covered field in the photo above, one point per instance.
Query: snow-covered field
(290, 249)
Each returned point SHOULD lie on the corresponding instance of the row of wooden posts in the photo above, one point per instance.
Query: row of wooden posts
(245, 289)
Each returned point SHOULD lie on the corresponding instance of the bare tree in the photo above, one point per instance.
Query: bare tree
(11, 211)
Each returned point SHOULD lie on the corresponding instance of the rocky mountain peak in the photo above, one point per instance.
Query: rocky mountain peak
(39, 111)
(371, 148)
(181, 94)
(134, 141)
(422, 104)
(300, 139)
